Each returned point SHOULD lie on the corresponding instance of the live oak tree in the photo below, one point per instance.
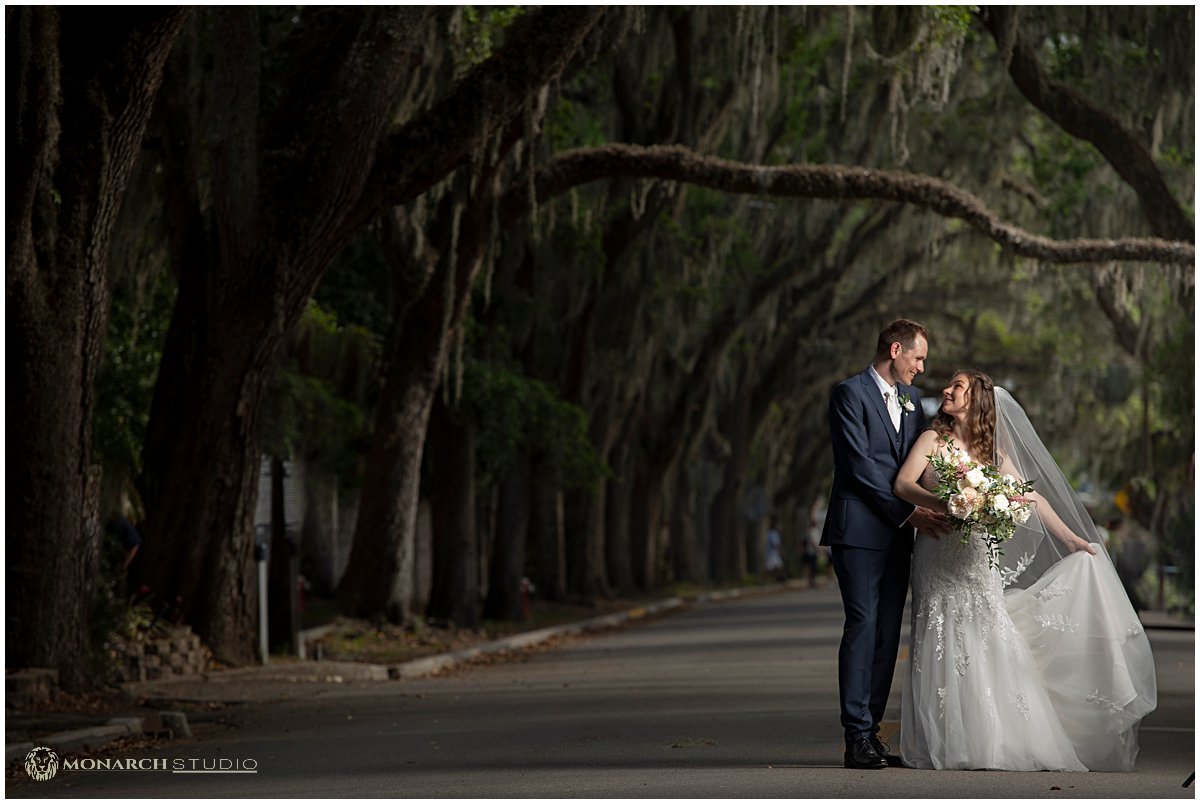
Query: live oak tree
(78, 105)
(285, 134)
(270, 185)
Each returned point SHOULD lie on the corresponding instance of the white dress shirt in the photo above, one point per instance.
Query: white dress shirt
(890, 398)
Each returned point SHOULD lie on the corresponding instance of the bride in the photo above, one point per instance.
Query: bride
(1040, 664)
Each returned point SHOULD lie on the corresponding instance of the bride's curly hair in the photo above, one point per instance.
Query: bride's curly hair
(980, 419)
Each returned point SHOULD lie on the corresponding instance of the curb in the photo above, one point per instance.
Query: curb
(433, 664)
(93, 738)
(82, 740)
(90, 739)
(338, 672)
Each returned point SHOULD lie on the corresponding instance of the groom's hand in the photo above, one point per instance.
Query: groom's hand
(931, 522)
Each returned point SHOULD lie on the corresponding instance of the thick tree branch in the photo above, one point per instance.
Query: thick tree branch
(835, 182)
(426, 150)
(1086, 121)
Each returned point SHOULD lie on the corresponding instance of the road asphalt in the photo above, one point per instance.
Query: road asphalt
(733, 698)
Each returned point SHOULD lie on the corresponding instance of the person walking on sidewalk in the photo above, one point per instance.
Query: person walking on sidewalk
(874, 418)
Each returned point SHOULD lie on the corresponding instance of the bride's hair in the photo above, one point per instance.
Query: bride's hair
(980, 419)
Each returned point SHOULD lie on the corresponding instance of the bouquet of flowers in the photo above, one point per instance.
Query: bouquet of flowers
(982, 502)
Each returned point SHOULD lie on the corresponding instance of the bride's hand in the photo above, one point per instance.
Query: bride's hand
(1075, 544)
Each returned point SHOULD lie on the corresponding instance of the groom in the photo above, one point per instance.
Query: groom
(873, 420)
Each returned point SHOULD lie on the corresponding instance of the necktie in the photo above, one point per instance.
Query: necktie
(893, 405)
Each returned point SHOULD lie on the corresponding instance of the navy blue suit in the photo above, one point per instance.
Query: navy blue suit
(871, 545)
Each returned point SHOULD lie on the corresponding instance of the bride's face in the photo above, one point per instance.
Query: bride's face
(956, 397)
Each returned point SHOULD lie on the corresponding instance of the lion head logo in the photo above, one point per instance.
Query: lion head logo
(41, 764)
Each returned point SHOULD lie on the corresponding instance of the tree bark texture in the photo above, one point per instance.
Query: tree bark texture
(202, 471)
(461, 123)
(837, 182)
(81, 86)
(619, 553)
(688, 562)
(455, 594)
(587, 577)
(547, 549)
(269, 202)
(380, 572)
(283, 610)
(729, 527)
(507, 568)
(646, 519)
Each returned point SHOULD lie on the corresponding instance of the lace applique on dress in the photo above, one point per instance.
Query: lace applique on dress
(1009, 576)
(1059, 622)
(1103, 702)
(1052, 591)
(1018, 700)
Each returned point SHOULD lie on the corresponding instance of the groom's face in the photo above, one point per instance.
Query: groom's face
(908, 363)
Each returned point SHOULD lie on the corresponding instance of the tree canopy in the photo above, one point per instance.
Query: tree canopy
(577, 281)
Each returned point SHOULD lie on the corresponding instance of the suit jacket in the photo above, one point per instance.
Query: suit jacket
(867, 454)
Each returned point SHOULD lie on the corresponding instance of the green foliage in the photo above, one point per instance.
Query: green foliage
(137, 332)
(1068, 173)
(949, 20)
(317, 398)
(519, 414)
(482, 27)
(357, 286)
(1173, 371)
(572, 125)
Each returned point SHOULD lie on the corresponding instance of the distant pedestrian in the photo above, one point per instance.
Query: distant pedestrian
(811, 548)
(127, 542)
(773, 559)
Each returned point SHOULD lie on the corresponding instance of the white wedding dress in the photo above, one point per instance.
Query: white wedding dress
(1051, 677)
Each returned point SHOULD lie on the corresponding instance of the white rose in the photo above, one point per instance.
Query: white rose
(1000, 503)
(974, 478)
(1021, 515)
(1010, 480)
(959, 506)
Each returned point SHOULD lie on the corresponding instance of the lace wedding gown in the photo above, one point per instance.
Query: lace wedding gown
(1052, 677)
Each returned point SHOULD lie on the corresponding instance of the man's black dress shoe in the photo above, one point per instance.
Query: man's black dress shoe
(861, 755)
(881, 748)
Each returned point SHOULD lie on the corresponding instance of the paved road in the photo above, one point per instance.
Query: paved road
(732, 700)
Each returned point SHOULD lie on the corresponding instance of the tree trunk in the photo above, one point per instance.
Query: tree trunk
(81, 86)
(508, 550)
(380, 573)
(687, 557)
(617, 498)
(284, 570)
(233, 270)
(455, 594)
(645, 521)
(585, 537)
(192, 437)
(546, 542)
(728, 522)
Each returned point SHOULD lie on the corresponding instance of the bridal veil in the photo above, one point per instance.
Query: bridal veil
(1071, 607)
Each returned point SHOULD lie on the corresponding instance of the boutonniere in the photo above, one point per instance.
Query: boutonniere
(906, 403)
